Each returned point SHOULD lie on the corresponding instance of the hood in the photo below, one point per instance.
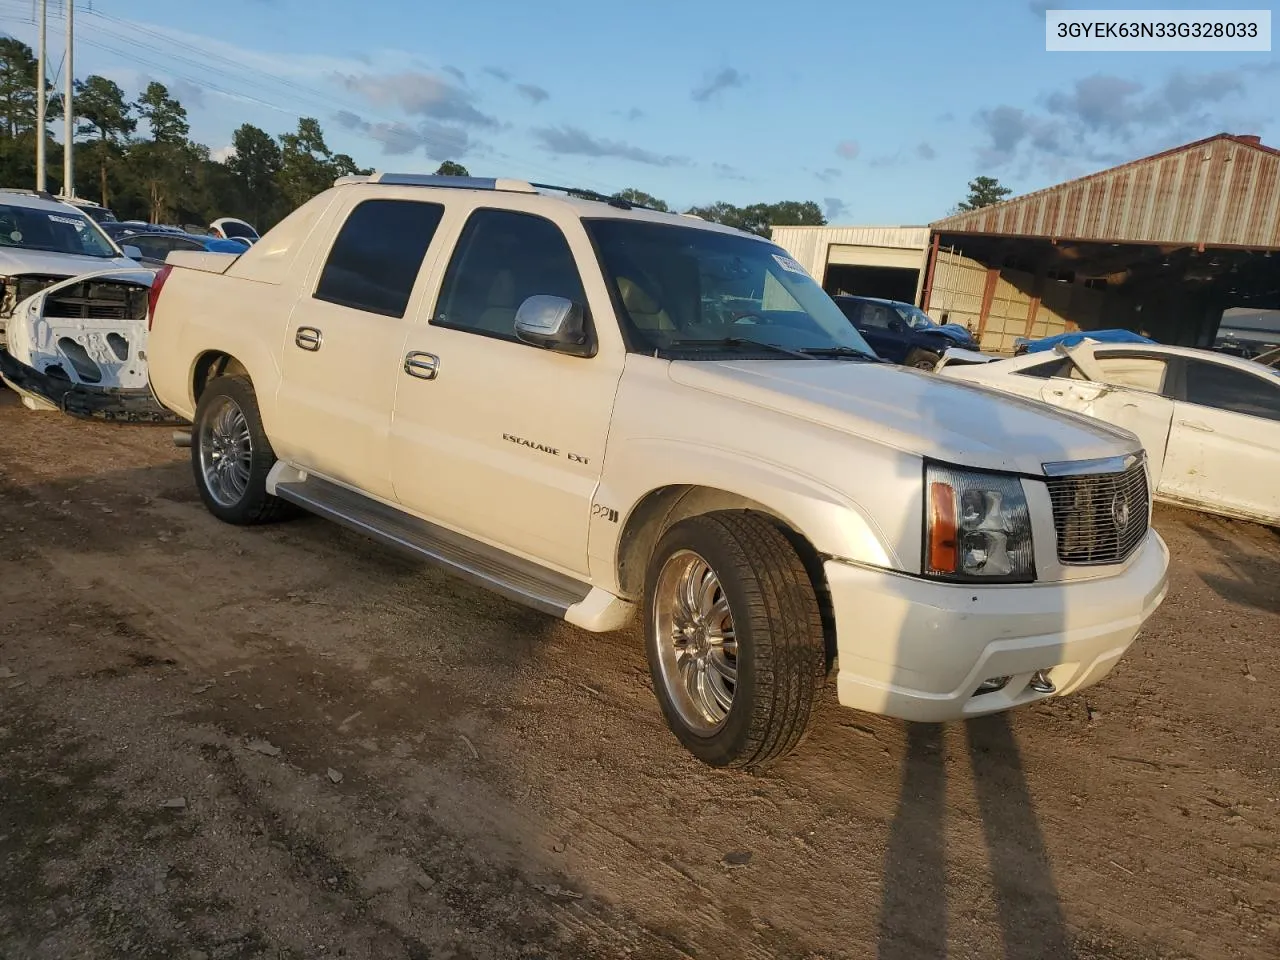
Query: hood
(14, 260)
(913, 411)
(956, 332)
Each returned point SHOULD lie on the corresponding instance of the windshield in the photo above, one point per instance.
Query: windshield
(55, 231)
(683, 289)
(915, 318)
(233, 228)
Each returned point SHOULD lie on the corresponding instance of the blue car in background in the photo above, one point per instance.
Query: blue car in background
(901, 332)
(156, 247)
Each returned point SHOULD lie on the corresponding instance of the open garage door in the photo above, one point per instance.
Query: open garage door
(866, 270)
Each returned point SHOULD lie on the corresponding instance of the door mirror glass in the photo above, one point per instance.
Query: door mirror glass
(553, 323)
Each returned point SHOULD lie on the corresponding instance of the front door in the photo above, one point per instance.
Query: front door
(342, 344)
(1224, 447)
(491, 436)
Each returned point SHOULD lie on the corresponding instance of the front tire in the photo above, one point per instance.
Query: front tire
(231, 455)
(734, 639)
(922, 359)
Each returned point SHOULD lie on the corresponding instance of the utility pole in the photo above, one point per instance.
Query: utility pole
(41, 133)
(68, 109)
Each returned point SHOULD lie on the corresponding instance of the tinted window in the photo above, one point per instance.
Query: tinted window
(231, 229)
(502, 259)
(158, 248)
(1216, 385)
(878, 316)
(376, 258)
(1051, 368)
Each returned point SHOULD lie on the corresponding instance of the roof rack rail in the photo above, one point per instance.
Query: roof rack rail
(584, 194)
(435, 180)
(23, 191)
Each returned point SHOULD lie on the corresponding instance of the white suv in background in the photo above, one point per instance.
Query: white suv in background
(591, 408)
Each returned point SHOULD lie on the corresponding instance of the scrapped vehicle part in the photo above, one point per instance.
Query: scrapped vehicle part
(79, 346)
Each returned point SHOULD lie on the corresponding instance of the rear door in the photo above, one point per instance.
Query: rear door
(341, 357)
(1224, 447)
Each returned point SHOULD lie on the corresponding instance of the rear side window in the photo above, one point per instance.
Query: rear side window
(1217, 385)
(503, 258)
(1060, 367)
(377, 255)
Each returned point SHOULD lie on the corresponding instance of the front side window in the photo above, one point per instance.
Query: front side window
(376, 258)
(1218, 385)
(688, 289)
(52, 231)
(503, 258)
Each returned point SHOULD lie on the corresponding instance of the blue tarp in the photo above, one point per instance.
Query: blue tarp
(1101, 336)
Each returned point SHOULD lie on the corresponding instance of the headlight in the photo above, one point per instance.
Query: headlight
(977, 526)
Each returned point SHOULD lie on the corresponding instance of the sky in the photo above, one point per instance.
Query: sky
(879, 112)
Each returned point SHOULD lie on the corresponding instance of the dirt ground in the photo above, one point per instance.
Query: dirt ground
(287, 742)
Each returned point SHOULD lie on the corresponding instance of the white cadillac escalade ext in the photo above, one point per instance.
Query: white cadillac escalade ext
(591, 407)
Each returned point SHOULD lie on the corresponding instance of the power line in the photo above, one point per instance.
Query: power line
(298, 94)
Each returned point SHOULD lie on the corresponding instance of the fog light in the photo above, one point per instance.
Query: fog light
(992, 685)
(1041, 683)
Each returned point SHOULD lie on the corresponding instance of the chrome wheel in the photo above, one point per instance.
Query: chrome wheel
(226, 452)
(696, 643)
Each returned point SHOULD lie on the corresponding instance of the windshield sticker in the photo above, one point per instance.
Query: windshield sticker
(70, 221)
(786, 263)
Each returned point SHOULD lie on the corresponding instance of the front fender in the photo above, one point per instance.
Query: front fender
(836, 525)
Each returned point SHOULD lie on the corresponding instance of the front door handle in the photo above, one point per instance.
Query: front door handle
(424, 366)
(308, 338)
(1196, 425)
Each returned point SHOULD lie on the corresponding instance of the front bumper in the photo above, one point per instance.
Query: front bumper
(919, 650)
(86, 402)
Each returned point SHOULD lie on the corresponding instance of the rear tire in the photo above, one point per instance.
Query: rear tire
(922, 359)
(734, 639)
(231, 455)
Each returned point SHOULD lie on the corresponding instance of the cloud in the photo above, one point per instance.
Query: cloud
(498, 74)
(1106, 118)
(535, 93)
(925, 151)
(634, 114)
(848, 149)
(886, 159)
(188, 94)
(418, 94)
(726, 172)
(438, 141)
(575, 141)
(455, 73)
(222, 154)
(834, 208)
(947, 117)
(726, 79)
(828, 175)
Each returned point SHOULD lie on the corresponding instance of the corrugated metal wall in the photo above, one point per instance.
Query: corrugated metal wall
(1221, 191)
(810, 245)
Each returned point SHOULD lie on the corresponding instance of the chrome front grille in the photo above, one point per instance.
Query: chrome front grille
(1100, 517)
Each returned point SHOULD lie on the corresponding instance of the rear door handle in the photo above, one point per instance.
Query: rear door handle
(1196, 425)
(424, 366)
(308, 338)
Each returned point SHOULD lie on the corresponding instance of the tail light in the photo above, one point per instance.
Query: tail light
(154, 296)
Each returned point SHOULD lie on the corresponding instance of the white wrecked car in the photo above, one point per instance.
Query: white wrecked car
(1210, 422)
(80, 346)
(44, 240)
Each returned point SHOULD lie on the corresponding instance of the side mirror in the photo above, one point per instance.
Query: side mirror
(132, 252)
(553, 323)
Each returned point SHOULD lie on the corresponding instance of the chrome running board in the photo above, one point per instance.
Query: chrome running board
(513, 577)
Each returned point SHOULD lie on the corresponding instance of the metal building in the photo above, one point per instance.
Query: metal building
(873, 261)
(1163, 244)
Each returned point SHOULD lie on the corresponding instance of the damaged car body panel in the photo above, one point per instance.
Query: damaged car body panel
(79, 346)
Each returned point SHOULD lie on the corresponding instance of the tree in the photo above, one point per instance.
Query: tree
(101, 106)
(983, 192)
(452, 169)
(642, 199)
(255, 165)
(759, 217)
(166, 117)
(18, 70)
(307, 164)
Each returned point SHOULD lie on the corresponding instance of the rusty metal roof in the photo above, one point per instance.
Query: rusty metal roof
(1220, 191)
